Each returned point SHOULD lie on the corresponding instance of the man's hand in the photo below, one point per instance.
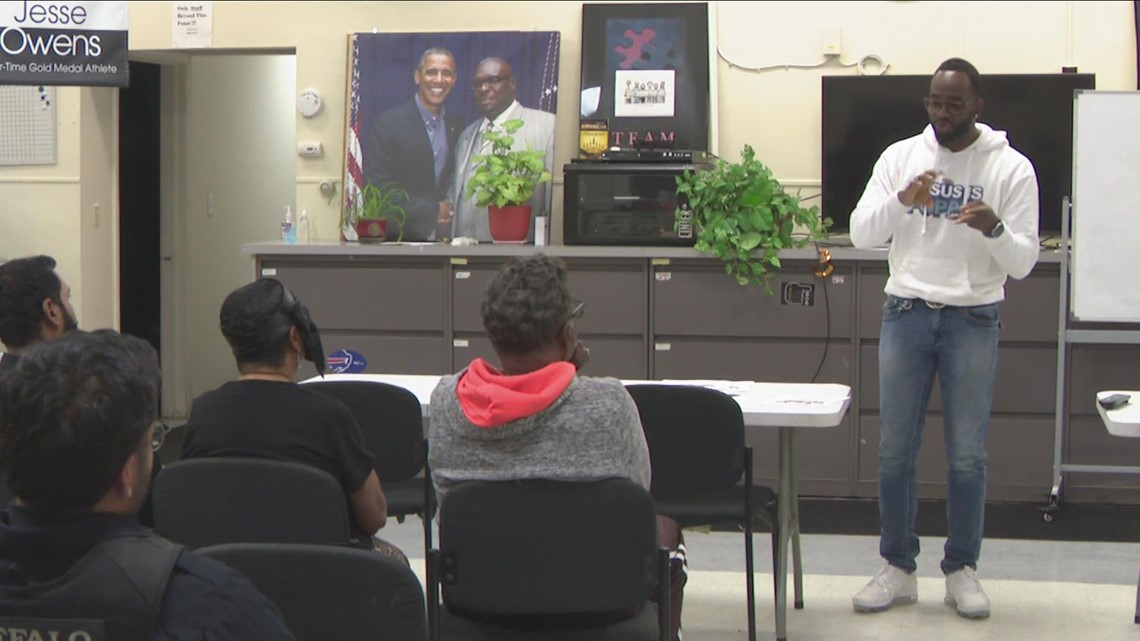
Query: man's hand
(446, 212)
(580, 357)
(917, 191)
(978, 215)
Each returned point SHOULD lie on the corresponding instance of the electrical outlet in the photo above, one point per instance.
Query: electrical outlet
(832, 41)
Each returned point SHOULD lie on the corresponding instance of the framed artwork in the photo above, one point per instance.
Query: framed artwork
(418, 104)
(645, 70)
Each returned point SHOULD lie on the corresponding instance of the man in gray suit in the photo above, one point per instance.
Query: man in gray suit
(494, 89)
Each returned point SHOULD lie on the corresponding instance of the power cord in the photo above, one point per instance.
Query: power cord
(823, 272)
(860, 65)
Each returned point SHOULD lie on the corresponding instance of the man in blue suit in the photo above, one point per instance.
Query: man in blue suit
(412, 146)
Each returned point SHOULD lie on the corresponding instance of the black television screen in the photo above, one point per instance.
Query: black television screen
(863, 115)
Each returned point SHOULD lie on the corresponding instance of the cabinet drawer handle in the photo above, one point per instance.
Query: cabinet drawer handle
(663, 347)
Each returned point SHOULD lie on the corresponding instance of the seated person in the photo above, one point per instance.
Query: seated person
(35, 306)
(76, 439)
(535, 417)
(265, 414)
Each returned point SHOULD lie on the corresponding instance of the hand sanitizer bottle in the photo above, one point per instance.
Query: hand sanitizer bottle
(288, 231)
(304, 233)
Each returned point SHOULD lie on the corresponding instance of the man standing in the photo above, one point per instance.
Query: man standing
(961, 207)
(494, 88)
(35, 305)
(77, 442)
(413, 145)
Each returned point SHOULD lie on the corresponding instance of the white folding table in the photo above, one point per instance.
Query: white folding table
(1123, 421)
(786, 406)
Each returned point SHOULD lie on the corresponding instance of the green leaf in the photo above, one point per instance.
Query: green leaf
(749, 241)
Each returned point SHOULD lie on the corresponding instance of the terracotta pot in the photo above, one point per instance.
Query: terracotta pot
(372, 230)
(509, 224)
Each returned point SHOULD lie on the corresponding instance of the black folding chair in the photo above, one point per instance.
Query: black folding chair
(392, 421)
(328, 593)
(548, 560)
(698, 454)
(209, 501)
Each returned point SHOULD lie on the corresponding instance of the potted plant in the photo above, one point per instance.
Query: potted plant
(369, 213)
(743, 216)
(503, 181)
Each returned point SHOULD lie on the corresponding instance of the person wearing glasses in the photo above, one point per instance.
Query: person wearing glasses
(413, 146)
(77, 440)
(959, 205)
(534, 415)
(493, 87)
(35, 306)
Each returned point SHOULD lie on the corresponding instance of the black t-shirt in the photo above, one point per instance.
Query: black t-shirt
(283, 422)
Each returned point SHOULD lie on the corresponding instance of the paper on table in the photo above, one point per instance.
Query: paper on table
(732, 388)
(804, 399)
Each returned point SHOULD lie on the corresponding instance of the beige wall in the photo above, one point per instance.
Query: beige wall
(778, 111)
(96, 210)
(38, 204)
(239, 150)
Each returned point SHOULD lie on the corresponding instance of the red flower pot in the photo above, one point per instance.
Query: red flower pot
(509, 224)
(372, 230)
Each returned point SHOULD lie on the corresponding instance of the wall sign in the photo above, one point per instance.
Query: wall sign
(63, 43)
(192, 25)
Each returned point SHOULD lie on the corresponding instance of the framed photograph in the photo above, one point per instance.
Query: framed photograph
(644, 93)
(418, 104)
(645, 69)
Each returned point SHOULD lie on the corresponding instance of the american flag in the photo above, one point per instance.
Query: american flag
(354, 182)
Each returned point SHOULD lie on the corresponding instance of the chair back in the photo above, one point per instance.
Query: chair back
(695, 437)
(392, 421)
(209, 501)
(327, 592)
(539, 547)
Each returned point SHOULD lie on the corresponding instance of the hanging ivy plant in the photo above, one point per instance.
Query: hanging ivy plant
(743, 216)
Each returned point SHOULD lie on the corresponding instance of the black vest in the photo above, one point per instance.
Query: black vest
(113, 593)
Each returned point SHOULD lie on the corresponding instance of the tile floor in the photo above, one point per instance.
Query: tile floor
(1040, 590)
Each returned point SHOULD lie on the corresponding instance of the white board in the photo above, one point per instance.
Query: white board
(1106, 206)
(27, 125)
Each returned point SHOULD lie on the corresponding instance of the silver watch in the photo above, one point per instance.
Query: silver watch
(997, 231)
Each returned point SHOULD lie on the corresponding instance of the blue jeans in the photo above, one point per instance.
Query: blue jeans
(960, 345)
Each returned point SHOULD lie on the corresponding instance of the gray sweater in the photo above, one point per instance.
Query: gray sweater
(591, 431)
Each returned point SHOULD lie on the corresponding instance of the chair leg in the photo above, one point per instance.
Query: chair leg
(432, 593)
(429, 506)
(751, 578)
(664, 596)
(1136, 618)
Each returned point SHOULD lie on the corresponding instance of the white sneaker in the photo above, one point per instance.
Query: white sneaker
(890, 586)
(965, 593)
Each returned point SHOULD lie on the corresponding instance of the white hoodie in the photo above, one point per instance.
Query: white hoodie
(932, 257)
